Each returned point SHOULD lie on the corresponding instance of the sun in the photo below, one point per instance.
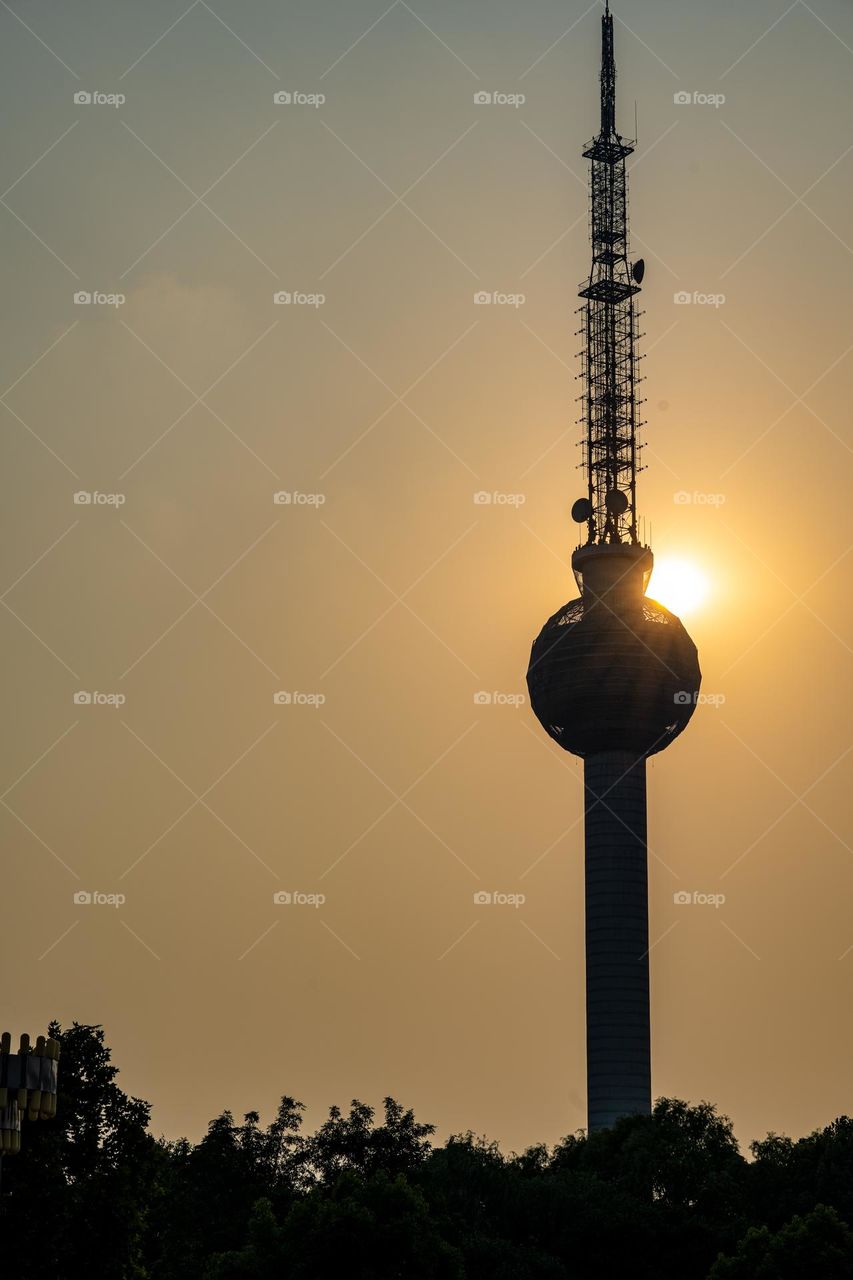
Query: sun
(679, 585)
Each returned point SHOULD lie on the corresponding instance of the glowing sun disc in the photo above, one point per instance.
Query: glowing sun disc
(678, 585)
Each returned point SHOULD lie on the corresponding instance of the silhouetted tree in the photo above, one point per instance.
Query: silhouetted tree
(213, 1187)
(792, 1177)
(353, 1143)
(81, 1192)
(367, 1228)
(661, 1197)
(818, 1246)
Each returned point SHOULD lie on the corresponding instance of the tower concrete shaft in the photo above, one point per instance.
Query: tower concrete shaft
(617, 938)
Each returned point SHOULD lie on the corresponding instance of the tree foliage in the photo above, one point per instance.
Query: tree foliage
(370, 1196)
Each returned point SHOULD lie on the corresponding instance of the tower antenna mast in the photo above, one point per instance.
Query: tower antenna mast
(610, 328)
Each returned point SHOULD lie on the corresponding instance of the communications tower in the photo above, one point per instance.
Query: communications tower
(613, 675)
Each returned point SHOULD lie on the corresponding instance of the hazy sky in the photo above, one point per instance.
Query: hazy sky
(398, 598)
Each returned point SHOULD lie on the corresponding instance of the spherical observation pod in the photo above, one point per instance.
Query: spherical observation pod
(613, 670)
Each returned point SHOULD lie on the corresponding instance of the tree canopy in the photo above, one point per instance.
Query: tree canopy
(371, 1196)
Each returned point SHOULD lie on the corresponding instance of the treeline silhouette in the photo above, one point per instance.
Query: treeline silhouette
(92, 1194)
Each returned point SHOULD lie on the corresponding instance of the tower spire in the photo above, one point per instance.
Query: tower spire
(610, 329)
(608, 76)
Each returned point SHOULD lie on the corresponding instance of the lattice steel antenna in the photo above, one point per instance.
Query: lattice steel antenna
(610, 447)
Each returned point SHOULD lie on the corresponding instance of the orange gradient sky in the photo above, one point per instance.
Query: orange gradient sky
(392, 598)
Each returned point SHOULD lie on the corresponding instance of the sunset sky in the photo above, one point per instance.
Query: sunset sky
(384, 597)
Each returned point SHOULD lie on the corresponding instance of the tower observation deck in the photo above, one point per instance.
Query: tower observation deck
(613, 676)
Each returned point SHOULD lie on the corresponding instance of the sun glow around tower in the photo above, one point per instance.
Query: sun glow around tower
(679, 585)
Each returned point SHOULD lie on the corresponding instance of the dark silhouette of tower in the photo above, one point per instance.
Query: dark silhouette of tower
(613, 676)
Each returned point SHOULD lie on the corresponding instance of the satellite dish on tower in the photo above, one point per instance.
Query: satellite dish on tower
(616, 502)
(581, 510)
(639, 270)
